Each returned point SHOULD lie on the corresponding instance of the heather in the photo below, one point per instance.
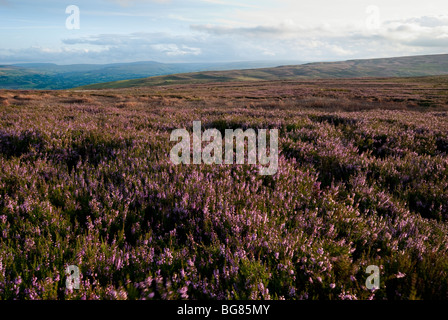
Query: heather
(86, 179)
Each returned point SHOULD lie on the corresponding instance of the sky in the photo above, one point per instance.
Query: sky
(114, 31)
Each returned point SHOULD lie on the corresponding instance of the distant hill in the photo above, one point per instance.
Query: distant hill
(53, 76)
(411, 66)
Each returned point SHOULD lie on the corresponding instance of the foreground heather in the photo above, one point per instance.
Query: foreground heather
(91, 184)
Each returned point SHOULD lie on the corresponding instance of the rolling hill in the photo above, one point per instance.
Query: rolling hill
(411, 66)
(52, 76)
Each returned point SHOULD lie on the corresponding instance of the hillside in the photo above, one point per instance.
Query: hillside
(52, 76)
(411, 66)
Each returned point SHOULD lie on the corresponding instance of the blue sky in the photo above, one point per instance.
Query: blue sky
(219, 30)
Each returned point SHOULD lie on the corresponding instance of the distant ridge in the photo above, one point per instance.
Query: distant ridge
(409, 66)
(53, 76)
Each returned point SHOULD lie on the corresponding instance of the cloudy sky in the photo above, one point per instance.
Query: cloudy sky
(219, 30)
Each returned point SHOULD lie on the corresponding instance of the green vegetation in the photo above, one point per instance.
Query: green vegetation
(45, 76)
(389, 67)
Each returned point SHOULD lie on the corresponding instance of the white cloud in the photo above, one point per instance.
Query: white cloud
(219, 30)
(408, 35)
(126, 3)
(172, 49)
(230, 3)
(425, 31)
(286, 40)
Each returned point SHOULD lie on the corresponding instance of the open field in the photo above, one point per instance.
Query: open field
(86, 180)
